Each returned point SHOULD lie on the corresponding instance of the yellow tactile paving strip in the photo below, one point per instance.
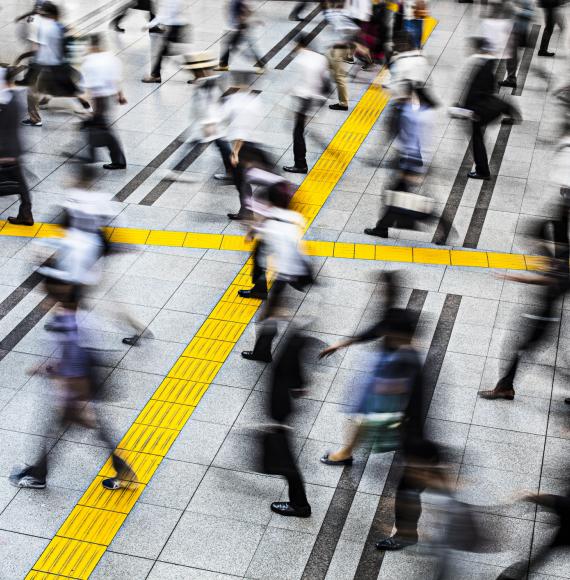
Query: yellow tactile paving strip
(87, 532)
(467, 258)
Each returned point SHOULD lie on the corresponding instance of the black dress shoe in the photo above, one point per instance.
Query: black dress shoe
(567, 400)
(115, 166)
(394, 543)
(21, 220)
(498, 393)
(252, 294)
(328, 461)
(338, 107)
(295, 169)
(379, 233)
(545, 53)
(475, 175)
(240, 216)
(509, 84)
(250, 355)
(284, 508)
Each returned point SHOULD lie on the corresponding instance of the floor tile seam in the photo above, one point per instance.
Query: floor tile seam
(249, 317)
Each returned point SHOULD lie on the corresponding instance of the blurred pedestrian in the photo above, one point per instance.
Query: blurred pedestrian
(553, 281)
(143, 6)
(54, 76)
(310, 88)
(287, 382)
(523, 11)
(102, 77)
(415, 12)
(12, 179)
(559, 505)
(172, 23)
(239, 31)
(552, 16)
(280, 230)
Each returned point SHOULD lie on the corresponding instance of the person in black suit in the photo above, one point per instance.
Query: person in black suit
(551, 17)
(484, 104)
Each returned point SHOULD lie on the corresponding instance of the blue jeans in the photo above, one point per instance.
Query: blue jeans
(415, 28)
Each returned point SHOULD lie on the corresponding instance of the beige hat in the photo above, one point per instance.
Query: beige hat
(199, 60)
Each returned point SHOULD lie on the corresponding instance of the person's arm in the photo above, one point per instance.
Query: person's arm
(372, 333)
(235, 152)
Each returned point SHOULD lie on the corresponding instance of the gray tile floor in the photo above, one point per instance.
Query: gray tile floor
(205, 514)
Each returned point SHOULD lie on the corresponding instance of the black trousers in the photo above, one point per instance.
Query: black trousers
(13, 182)
(235, 38)
(278, 460)
(516, 42)
(408, 506)
(100, 134)
(479, 150)
(144, 5)
(171, 35)
(258, 273)
(549, 21)
(299, 145)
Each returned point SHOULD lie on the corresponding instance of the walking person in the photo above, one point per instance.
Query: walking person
(12, 180)
(522, 18)
(171, 21)
(288, 382)
(240, 22)
(102, 76)
(554, 282)
(415, 12)
(552, 16)
(311, 87)
(54, 76)
(143, 6)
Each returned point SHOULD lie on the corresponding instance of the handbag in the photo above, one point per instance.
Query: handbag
(409, 202)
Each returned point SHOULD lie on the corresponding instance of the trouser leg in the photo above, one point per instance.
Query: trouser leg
(258, 274)
(33, 104)
(170, 36)
(264, 342)
(226, 153)
(548, 28)
(408, 507)
(338, 67)
(297, 494)
(243, 187)
(479, 151)
(299, 145)
(233, 41)
(25, 198)
(513, 61)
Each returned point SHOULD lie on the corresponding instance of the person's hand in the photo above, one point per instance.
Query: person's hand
(328, 351)
(234, 159)
(121, 99)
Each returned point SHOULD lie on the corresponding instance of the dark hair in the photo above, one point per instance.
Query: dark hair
(279, 194)
(399, 321)
(50, 9)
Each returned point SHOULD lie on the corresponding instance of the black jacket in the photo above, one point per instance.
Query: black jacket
(10, 114)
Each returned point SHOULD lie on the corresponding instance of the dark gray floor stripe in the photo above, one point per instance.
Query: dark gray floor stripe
(165, 154)
(337, 513)
(287, 38)
(311, 36)
(488, 187)
(371, 559)
(24, 327)
(19, 293)
(160, 188)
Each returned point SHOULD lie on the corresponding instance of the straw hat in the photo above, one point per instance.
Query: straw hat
(199, 60)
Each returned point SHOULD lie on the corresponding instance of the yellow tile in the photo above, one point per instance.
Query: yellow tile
(236, 243)
(342, 250)
(364, 251)
(50, 231)
(536, 263)
(129, 236)
(466, 258)
(506, 261)
(180, 391)
(194, 369)
(221, 330)
(430, 256)
(394, 254)
(313, 248)
(429, 25)
(21, 231)
(34, 575)
(147, 439)
(119, 500)
(164, 414)
(231, 294)
(159, 238)
(71, 558)
(234, 312)
(208, 349)
(92, 525)
(210, 241)
(143, 465)
(108, 232)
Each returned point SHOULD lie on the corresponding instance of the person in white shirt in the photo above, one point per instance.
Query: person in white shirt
(101, 77)
(312, 84)
(171, 19)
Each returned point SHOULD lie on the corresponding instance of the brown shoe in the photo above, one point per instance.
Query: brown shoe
(498, 393)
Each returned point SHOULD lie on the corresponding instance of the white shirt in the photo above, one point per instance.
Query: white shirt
(207, 109)
(409, 66)
(359, 9)
(170, 13)
(497, 32)
(312, 70)
(239, 112)
(102, 74)
(50, 42)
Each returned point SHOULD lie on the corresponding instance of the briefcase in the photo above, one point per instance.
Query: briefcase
(409, 202)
